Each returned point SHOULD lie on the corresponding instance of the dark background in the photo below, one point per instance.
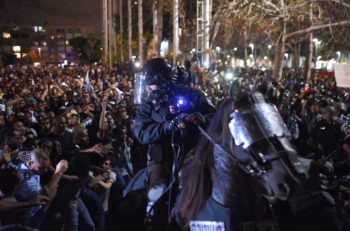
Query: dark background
(53, 12)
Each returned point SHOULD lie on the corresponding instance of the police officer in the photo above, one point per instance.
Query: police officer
(32, 164)
(167, 117)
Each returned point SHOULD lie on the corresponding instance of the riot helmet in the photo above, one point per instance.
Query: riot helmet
(160, 73)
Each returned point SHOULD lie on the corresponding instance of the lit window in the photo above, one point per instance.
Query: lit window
(52, 37)
(16, 48)
(67, 42)
(35, 29)
(6, 35)
(40, 28)
(44, 44)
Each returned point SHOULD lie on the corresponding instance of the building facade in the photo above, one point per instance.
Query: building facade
(39, 43)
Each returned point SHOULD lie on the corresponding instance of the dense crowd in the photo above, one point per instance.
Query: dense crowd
(67, 145)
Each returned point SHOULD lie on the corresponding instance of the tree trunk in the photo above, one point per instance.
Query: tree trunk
(175, 30)
(160, 21)
(255, 52)
(110, 32)
(311, 47)
(121, 30)
(278, 60)
(296, 60)
(206, 33)
(105, 32)
(155, 28)
(245, 38)
(129, 30)
(114, 28)
(140, 22)
(157, 8)
(185, 42)
(280, 48)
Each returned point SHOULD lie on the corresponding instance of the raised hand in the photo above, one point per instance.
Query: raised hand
(61, 167)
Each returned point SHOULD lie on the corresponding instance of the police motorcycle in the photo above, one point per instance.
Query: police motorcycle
(185, 109)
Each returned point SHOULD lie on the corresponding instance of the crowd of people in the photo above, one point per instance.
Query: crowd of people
(68, 148)
(66, 145)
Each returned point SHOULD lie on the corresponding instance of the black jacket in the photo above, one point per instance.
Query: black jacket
(150, 123)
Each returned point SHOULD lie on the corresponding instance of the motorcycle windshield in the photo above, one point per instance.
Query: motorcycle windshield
(260, 121)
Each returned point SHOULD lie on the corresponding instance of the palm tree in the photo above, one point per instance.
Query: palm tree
(157, 9)
(175, 29)
(140, 24)
(129, 30)
(121, 30)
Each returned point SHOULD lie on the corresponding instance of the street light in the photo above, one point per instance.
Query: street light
(234, 61)
(269, 47)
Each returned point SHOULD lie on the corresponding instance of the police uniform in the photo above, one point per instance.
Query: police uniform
(30, 187)
(150, 129)
(159, 124)
(212, 216)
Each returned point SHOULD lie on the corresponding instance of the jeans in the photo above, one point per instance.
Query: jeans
(84, 216)
(94, 205)
(70, 216)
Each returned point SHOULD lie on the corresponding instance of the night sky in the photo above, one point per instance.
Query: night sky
(55, 12)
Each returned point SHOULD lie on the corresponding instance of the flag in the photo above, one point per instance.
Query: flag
(87, 81)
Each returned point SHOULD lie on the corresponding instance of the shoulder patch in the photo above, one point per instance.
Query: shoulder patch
(207, 226)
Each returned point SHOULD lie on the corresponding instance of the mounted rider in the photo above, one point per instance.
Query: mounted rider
(166, 121)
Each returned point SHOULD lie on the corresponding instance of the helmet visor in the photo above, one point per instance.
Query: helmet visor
(260, 121)
(140, 88)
